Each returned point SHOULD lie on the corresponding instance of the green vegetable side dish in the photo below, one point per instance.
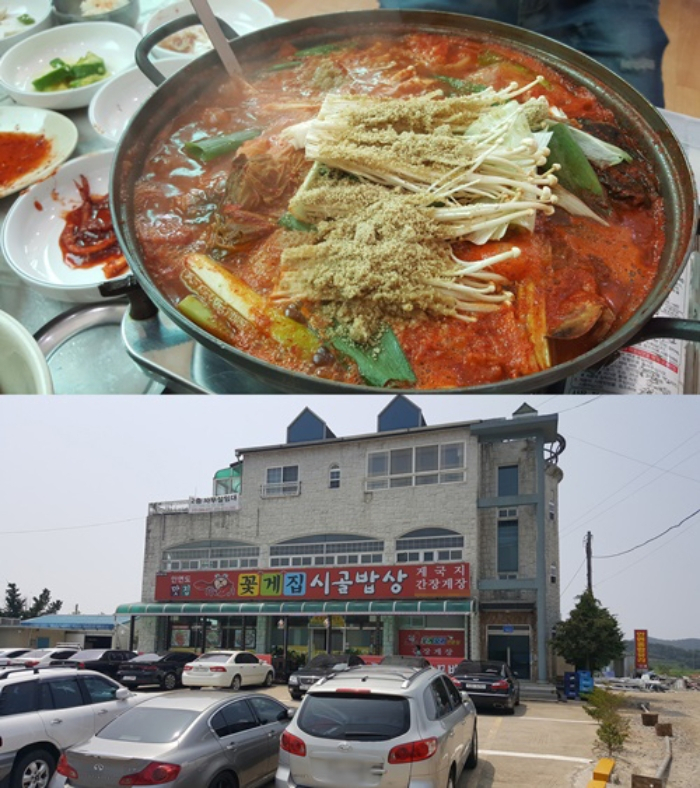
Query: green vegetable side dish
(25, 19)
(66, 76)
(210, 148)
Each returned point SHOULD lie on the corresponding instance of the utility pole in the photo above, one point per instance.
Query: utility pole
(589, 563)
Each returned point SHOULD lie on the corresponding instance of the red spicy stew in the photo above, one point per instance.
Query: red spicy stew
(380, 198)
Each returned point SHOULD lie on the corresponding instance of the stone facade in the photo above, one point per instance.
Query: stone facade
(470, 508)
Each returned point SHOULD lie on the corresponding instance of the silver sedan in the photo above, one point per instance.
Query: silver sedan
(187, 740)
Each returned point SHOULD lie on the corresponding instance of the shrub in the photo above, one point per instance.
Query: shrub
(613, 731)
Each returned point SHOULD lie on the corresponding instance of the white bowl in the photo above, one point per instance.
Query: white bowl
(23, 368)
(243, 16)
(115, 103)
(12, 32)
(59, 130)
(33, 226)
(27, 60)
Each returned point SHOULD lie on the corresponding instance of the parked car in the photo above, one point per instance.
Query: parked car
(103, 660)
(187, 740)
(406, 662)
(381, 726)
(233, 669)
(43, 710)
(43, 656)
(165, 670)
(491, 685)
(319, 666)
(8, 654)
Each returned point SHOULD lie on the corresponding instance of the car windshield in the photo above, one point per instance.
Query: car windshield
(147, 658)
(366, 717)
(492, 668)
(326, 661)
(214, 657)
(37, 653)
(151, 726)
(93, 653)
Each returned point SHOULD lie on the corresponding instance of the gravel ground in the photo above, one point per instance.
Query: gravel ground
(644, 751)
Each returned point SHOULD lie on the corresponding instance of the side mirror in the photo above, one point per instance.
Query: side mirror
(464, 695)
(122, 692)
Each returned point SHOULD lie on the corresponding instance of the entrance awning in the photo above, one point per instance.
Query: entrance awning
(389, 607)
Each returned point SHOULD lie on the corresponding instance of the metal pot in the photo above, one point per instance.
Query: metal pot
(656, 142)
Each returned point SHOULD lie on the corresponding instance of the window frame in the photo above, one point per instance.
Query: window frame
(387, 468)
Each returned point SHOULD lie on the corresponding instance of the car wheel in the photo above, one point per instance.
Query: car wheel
(169, 681)
(236, 683)
(268, 679)
(224, 780)
(451, 780)
(295, 695)
(473, 757)
(33, 770)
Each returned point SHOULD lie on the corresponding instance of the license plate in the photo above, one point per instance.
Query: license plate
(128, 678)
(200, 669)
(469, 685)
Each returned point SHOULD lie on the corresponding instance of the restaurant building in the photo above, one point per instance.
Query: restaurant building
(440, 538)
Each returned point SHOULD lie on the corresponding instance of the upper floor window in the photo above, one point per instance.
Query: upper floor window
(210, 555)
(507, 480)
(415, 466)
(282, 480)
(334, 477)
(430, 545)
(327, 550)
(507, 565)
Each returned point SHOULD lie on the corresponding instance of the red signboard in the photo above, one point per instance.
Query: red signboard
(431, 643)
(641, 657)
(360, 582)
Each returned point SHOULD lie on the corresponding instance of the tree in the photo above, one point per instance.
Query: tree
(591, 637)
(16, 605)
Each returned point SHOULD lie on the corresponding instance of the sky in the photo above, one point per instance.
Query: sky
(77, 475)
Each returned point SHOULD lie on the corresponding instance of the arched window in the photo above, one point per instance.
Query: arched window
(327, 550)
(430, 545)
(222, 554)
(334, 477)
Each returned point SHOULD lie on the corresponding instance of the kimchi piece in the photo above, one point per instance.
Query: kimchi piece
(88, 238)
(429, 210)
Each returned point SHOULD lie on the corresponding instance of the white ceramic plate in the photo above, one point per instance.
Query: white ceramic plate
(243, 16)
(115, 103)
(25, 61)
(33, 226)
(12, 31)
(57, 128)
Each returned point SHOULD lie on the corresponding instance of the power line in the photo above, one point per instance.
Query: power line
(574, 577)
(653, 538)
(72, 527)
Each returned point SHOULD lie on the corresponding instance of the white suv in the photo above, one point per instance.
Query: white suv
(45, 710)
(380, 726)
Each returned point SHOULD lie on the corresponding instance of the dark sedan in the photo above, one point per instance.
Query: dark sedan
(103, 660)
(490, 684)
(321, 665)
(165, 670)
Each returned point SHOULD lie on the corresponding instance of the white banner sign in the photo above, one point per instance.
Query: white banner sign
(216, 503)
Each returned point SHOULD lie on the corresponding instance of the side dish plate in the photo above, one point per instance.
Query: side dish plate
(58, 129)
(31, 232)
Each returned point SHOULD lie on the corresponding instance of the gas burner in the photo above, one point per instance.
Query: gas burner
(167, 354)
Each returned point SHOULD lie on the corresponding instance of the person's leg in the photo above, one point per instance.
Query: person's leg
(624, 35)
(500, 10)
